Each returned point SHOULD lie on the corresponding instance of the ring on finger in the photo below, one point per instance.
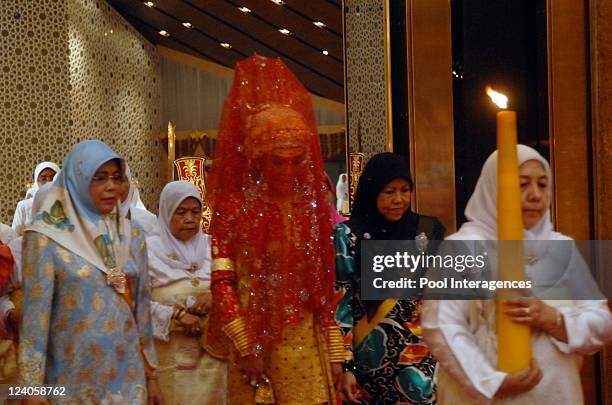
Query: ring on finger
(527, 311)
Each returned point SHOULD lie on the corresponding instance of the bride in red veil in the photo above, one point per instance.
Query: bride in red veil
(273, 254)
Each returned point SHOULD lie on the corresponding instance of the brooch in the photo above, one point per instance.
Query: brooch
(421, 242)
(116, 278)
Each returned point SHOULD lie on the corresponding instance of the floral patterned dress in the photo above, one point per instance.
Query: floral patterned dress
(78, 331)
(391, 364)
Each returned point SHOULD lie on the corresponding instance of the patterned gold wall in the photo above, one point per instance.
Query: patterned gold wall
(34, 77)
(66, 77)
(365, 33)
(115, 78)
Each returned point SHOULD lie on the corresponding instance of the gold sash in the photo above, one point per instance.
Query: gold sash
(363, 327)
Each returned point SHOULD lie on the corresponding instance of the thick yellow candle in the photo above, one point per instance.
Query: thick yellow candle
(171, 152)
(513, 340)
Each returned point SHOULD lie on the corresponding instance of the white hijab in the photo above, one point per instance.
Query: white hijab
(341, 191)
(481, 209)
(37, 171)
(133, 199)
(190, 255)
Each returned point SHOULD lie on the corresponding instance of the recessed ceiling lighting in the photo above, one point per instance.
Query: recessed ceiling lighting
(278, 2)
(244, 9)
(284, 31)
(319, 24)
(325, 52)
(225, 45)
(188, 25)
(164, 33)
(149, 4)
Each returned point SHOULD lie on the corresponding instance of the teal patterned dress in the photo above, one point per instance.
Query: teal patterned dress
(78, 331)
(392, 364)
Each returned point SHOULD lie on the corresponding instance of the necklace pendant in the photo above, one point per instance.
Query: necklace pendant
(195, 281)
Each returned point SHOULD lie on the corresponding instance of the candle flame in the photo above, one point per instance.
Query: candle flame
(499, 99)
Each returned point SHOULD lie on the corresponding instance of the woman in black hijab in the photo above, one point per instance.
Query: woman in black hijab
(391, 363)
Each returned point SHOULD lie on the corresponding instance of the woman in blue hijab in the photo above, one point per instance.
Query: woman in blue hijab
(86, 322)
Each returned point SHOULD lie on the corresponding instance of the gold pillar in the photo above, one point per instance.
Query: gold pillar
(601, 135)
(568, 96)
(432, 152)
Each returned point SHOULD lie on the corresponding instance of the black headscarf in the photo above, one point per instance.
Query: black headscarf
(380, 170)
(365, 218)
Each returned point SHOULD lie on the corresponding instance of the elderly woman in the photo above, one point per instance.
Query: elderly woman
(179, 266)
(86, 318)
(44, 173)
(462, 335)
(390, 363)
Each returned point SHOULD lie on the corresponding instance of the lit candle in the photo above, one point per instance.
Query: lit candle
(513, 340)
(171, 152)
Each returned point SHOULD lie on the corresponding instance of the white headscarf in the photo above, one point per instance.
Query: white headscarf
(341, 191)
(481, 209)
(133, 199)
(192, 254)
(41, 166)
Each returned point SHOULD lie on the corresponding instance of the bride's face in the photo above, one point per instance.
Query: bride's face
(535, 192)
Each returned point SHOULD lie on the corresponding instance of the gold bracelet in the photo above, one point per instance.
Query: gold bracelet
(223, 263)
(243, 339)
(337, 352)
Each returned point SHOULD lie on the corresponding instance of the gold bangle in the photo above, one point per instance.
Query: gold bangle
(243, 339)
(223, 263)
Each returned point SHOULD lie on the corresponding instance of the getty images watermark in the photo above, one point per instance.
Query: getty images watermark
(557, 270)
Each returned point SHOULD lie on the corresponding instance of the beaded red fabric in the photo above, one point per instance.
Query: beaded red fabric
(6, 265)
(267, 189)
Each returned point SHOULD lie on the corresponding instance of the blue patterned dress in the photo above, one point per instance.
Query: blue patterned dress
(78, 331)
(392, 363)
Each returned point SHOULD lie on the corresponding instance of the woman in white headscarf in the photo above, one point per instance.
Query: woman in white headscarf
(461, 334)
(179, 266)
(133, 208)
(342, 193)
(44, 173)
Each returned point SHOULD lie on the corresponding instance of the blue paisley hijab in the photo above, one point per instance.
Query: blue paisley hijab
(66, 213)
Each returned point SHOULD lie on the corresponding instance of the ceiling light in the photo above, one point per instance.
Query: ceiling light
(187, 25)
(325, 52)
(244, 9)
(284, 31)
(319, 24)
(278, 2)
(225, 45)
(149, 4)
(164, 33)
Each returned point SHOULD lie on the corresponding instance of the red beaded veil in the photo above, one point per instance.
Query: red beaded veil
(268, 141)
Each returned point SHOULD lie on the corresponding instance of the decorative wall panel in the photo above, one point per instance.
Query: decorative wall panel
(73, 70)
(365, 31)
(115, 81)
(35, 105)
